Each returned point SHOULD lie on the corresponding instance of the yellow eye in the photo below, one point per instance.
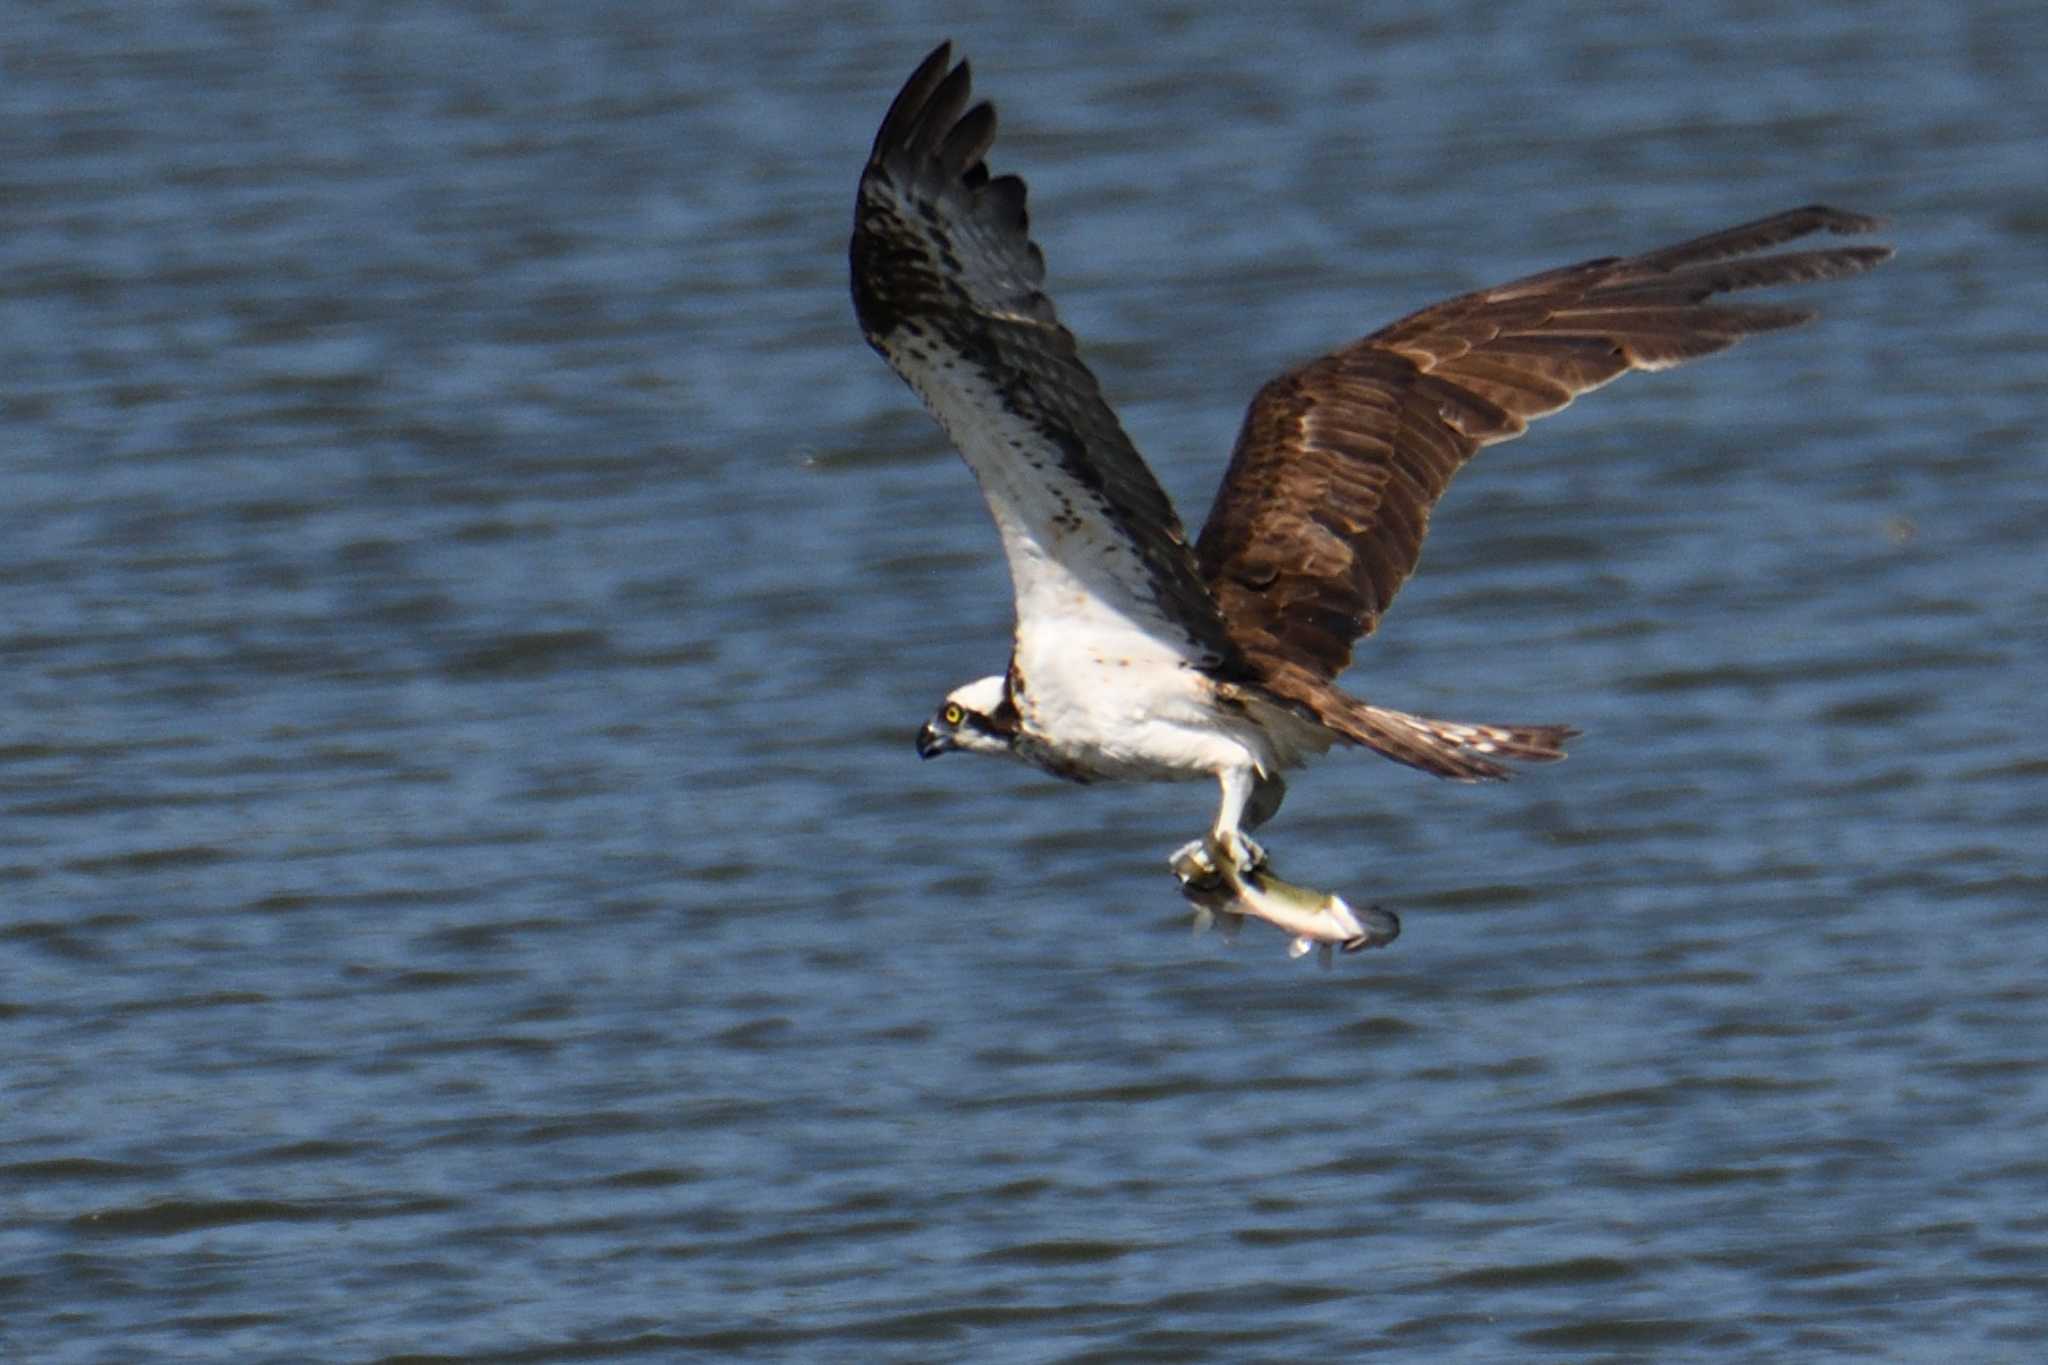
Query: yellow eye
(952, 715)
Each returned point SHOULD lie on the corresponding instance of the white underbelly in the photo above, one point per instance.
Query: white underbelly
(1113, 711)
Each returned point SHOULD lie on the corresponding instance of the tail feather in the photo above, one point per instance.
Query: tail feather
(1464, 753)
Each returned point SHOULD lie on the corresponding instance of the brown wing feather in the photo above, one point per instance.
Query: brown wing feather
(1322, 513)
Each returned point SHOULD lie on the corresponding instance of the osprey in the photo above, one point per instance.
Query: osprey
(1138, 657)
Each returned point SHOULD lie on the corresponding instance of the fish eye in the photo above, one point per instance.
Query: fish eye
(952, 714)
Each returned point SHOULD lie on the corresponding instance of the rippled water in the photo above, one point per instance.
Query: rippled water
(468, 890)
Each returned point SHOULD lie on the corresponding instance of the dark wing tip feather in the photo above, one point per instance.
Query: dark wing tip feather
(924, 182)
(1746, 239)
(929, 124)
(1694, 282)
(1842, 220)
(971, 137)
(1005, 195)
(947, 103)
(906, 111)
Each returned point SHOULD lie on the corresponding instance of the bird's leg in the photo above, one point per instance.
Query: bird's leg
(1249, 857)
(1214, 868)
(1228, 843)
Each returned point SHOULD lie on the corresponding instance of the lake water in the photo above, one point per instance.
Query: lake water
(468, 891)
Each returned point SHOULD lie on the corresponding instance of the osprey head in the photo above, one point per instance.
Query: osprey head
(971, 718)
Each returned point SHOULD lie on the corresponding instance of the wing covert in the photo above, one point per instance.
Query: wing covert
(1321, 515)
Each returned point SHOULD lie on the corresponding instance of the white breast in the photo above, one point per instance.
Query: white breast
(1115, 703)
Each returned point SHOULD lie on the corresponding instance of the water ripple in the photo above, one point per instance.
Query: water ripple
(467, 891)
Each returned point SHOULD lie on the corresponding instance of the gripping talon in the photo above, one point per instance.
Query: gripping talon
(1236, 850)
(1194, 865)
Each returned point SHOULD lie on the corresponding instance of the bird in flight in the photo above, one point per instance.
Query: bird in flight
(1140, 657)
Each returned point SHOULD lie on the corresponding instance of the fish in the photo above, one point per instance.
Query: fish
(1316, 919)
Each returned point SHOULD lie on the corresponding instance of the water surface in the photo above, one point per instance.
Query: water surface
(468, 892)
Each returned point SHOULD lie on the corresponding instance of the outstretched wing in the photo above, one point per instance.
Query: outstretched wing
(1321, 515)
(946, 281)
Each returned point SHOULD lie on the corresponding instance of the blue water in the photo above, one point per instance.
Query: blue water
(468, 891)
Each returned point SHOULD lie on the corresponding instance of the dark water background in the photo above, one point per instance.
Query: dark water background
(468, 892)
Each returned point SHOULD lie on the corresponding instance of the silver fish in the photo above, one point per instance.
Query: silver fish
(1317, 919)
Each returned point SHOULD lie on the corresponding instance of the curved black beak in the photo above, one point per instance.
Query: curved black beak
(930, 743)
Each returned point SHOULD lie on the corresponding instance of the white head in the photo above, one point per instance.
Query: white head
(977, 717)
